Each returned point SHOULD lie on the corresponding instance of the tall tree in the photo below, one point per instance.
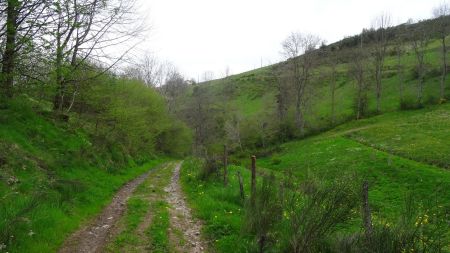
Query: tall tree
(82, 31)
(23, 20)
(420, 38)
(358, 70)
(283, 97)
(175, 85)
(381, 25)
(399, 47)
(333, 60)
(299, 49)
(201, 116)
(441, 13)
(147, 69)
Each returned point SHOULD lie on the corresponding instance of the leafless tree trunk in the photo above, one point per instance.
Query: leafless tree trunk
(283, 85)
(440, 12)
(420, 39)
(241, 185)
(148, 70)
(333, 60)
(225, 165)
(400, 68)
(380, 24)
(357, 69)
(233, 130)
(174, 86)
(298, 49)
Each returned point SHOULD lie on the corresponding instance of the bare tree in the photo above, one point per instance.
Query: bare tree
(298, 49)
(208, 76)
(283, 98)
(358, 70)
(333, 61)
(420, 38)
(441, 12)
(175, 85)
(147, 69)
(200, 115)
(399, 47)
(151, 69)
(381, 24)
(233, 130)
(228, 89)
(83, 31)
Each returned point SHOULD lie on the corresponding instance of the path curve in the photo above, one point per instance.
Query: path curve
(181, 217)
(94, 236)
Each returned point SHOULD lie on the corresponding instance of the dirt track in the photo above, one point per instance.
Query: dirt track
(181, 217)
(92, 237)
(96, 235)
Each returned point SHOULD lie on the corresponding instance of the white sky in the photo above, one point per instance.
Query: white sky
(209, 35)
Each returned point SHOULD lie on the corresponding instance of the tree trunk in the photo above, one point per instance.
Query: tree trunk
(225, 164)
(444, 69)
(420, 85)
(379, 87)
(297, 111)
(8, 64)
(59, 96)
(262, 241)
(333, 97)
(400, 75)
(241, 185)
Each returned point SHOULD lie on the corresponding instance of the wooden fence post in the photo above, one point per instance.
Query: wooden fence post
(367, 219)
(253, 185)
(241, 185)
(225, 164)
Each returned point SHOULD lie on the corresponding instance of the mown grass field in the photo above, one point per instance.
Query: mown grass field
(399, 153)
(49, 186)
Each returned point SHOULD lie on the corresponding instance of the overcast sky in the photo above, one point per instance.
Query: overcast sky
(209, 35)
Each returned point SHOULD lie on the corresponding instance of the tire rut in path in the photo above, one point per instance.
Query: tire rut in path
(94, 236)
(181, 217)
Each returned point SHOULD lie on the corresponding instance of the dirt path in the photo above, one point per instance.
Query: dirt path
(93, 237)
(181, 218)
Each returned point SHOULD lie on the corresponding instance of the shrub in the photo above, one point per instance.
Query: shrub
(263, 212)
(310, 218)
(210, 166)
(415, 231)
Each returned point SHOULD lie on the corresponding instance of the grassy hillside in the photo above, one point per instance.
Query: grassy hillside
(251, 97)
(399, 153)
(255, 88)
